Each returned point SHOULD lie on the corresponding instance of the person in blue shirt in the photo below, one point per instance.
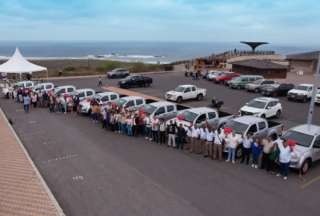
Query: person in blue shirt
(26, 103)
(256, 152)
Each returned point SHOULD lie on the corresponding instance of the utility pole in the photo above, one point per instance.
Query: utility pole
(314, 92)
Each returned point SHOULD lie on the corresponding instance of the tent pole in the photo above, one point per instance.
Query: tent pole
(47, 74)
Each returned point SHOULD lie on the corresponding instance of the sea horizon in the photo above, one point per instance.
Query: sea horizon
(133, 51)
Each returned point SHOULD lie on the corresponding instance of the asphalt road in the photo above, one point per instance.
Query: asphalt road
(96, 172)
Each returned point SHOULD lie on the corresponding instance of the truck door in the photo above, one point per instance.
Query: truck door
(160, 110)
(253, 130)
(201, 119)
(187, 93)
(316, 148)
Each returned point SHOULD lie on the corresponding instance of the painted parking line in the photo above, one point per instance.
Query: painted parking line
(310, 182)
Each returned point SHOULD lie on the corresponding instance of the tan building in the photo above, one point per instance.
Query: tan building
(303, 63)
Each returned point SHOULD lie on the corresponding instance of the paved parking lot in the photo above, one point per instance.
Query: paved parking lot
(294, 113)
(96, 172)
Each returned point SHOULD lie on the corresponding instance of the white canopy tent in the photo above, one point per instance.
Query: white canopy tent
(18, 64)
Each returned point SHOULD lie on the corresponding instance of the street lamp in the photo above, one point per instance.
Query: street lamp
(314, 93)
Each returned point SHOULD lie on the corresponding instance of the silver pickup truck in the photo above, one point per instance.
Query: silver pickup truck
(258, 127)
(307, 150)
(199, 116)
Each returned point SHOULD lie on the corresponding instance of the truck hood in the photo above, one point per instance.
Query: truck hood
(251, 109)
(296, 91)
(185, 124)
(174, 92)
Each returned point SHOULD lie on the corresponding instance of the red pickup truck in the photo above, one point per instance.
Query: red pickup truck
(226, 76)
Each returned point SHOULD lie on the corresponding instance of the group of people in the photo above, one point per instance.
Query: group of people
(56, 103)
(271, 153)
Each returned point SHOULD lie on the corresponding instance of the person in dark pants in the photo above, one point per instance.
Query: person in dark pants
(162, 132)
(246, 148)
(172, 130)
(267, 149)
(181, 137)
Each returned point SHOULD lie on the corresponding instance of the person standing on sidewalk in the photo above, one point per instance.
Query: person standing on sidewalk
(26, 103)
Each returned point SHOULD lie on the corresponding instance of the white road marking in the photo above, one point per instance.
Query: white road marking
(77, 178)
(65, 157)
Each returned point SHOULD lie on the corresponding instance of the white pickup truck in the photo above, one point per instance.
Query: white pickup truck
(199, 116)
(102, 98)
(302, 92)
(130, 102)
(160, 108)
(307, 149)
(186, 92)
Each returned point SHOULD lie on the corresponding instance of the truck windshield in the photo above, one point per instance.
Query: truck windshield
(300, 138)
(120, 102)
(301, 87)
(147, 108)
(257, 104)
(179, 89)
(189, 116)
(237, 127)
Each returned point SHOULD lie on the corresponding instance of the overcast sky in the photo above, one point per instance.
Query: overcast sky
(277, 21)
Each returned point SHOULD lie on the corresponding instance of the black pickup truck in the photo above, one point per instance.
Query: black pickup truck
(135, 81)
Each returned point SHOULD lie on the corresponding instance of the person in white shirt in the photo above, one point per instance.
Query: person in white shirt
(195, 138)
(203, 139)
(232, 143)
(217, 148)
(246, 148)
(209, 143)
(147, 124)
(284, 159)
(189, 137)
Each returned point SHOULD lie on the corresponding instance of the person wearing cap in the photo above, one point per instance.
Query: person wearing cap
(285, 149)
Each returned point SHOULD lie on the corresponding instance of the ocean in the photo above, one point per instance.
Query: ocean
(148, 52)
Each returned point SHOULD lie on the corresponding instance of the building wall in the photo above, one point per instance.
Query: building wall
(307, 67)
(266, 73)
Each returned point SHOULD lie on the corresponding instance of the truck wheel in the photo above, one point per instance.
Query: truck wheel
(256, 90)
(305, 166)
(278, 114)
(263, 116)
(179, 99)
(89, 112)
(200, 97)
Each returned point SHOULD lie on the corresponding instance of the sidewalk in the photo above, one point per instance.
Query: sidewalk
(22, 189)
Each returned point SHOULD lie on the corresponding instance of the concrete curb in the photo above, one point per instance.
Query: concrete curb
(42, 181)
